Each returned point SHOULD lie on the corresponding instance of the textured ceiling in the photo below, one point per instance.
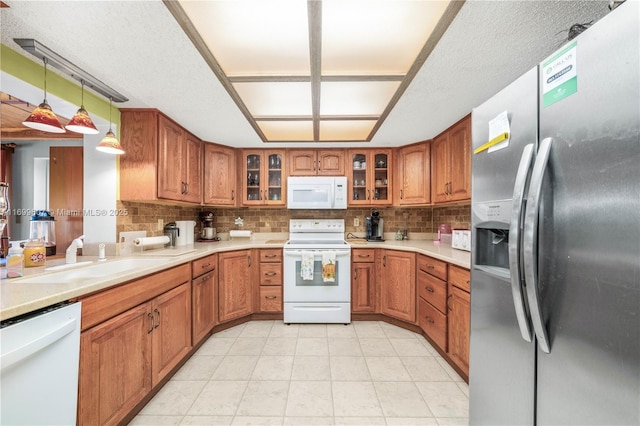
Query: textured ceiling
(138, 48)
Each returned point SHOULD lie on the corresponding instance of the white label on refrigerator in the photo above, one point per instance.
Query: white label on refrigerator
(497, 126)
(560, 75)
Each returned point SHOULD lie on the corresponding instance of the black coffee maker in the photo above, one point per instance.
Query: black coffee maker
(374, 224)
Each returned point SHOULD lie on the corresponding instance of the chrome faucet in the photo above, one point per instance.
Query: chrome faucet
(72, 250)
(4, 205)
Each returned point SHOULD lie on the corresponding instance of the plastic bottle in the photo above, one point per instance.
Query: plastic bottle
(15, 262)
(34, 253)
(3, 264)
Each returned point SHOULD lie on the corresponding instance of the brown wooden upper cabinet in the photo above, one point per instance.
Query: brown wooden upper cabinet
(321, 162)
(369, 177)
(413, 175)
(263, 180)
(163, 161)
(220, 182)
(451, 163)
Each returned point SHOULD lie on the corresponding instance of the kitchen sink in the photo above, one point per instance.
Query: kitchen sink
(94, 270)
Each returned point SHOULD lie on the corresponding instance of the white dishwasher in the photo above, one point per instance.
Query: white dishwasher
(40, 355)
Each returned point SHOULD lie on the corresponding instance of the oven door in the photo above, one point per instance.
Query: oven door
(297, 289)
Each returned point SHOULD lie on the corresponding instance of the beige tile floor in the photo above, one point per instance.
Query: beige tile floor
(268, 373)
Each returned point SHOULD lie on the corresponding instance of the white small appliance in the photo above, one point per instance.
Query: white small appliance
(185, 234)
(461, 239)
(317, 192)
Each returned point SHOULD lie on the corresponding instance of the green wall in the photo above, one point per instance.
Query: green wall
(32, 72)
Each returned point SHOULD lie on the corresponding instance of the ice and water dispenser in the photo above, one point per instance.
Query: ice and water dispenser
(491, 235)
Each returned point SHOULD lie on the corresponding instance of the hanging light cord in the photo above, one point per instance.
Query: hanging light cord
(44, 59)
(82, 96)
(110, 100)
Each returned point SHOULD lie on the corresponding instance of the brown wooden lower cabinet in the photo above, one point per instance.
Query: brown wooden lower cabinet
(363, 281)
(115, 367)
(398, 286)
(204, 293)
(459, 317)
(126, 351)
(234, 285)
(270, 281)
(433, 323)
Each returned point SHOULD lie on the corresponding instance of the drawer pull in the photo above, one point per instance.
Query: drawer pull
(150, 315)
(363, 255)
(270, 274)
(431, 267)
(429, 289)
(157, 312)
(206, 265)
(271, 256)
(430, 320)
(270, 297)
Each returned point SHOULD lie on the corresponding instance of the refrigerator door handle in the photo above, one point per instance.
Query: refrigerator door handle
(515, 268)
(530, 244)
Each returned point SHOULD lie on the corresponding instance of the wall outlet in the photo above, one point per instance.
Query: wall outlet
(356, 221)
(160, 224)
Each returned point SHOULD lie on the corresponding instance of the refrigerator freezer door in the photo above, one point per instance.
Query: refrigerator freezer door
(589, 237)
(501, 370)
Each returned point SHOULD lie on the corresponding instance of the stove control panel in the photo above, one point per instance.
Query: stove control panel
(316, 225)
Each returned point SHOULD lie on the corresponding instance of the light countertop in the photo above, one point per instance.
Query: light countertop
(18, 297)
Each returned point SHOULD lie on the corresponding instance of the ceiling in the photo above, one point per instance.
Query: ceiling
(141, 50)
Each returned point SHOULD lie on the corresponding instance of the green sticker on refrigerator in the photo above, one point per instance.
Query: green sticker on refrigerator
(560, 75)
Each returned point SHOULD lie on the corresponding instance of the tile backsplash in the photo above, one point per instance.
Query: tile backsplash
(144, 216)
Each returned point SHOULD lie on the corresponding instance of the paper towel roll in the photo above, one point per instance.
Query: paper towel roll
(150, 241)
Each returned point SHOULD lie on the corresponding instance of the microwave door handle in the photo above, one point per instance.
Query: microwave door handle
(514, 243)
(530, 244)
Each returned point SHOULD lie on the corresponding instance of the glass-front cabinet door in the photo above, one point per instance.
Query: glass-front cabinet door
(370, 177)
(252, 184)
(264, 181)
(275, 179)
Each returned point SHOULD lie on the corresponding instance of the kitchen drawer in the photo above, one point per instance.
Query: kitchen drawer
(433, 323)
(460, 277)
(432, 266)
(363, 255)
(270, 298)
(433, 290)
(271, 255)
(203, 265)
(270, 273)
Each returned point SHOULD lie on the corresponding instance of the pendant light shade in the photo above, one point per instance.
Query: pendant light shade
(81, 122)
(43, 118)
(109, 143)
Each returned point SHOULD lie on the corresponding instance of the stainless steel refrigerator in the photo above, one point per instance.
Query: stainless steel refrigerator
(555, 293)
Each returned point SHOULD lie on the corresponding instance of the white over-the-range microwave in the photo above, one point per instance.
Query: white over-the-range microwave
(317, 192)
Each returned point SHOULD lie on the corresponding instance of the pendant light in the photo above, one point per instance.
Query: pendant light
(81, 122)
(43, 118)
(110, 143)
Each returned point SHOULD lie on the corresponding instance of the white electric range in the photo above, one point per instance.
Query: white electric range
(317, 272)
